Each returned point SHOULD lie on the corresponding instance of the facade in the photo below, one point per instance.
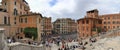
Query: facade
(97, 22)
(4, 21)
(15, 8)
(110, 21)
(29, 20)
(86, 26)
(15, 15)
(64, 26)
(46, 26)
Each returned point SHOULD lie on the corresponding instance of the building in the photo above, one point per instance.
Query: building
(4, 21)
(64, 26)
(15, 9)
(93, 23)
(46, 26)
(29, 20)
(16, 15)
(110, 21)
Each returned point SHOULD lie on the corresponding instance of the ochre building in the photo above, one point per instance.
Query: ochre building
(93, 23)
(15, 16)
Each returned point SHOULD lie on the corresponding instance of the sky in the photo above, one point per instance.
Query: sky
(74, 9)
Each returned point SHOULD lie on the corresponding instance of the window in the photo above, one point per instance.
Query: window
(39, 20)
(21, 29)
(100, 22)
(15, 20)
(15, 12)
(104, 26)
(108, 17)
(83, 28)
(104, 22)
(8, 20)
(108, 22)
(15, 2)
(113, 26)
(83, 22)
(87, 29)
(20, 13)
(25, 20)
(83, 34)
(113, 22)
(20, 6)
(117, 22)
(21, 20)
(5, 3)
(87, 21)
(58, 26)
(117, 26)
(5, 20)
(108, 27)
(105, 18)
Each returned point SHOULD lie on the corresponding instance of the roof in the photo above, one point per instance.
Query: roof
(25, 1)
(31, 14)
(109, 14)
(88, 18)
(92, 10)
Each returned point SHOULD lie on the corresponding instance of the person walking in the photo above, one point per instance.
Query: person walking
(65, 48)
(59, 49)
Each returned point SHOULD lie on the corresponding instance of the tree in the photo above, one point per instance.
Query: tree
(31, 32)
(98, 29)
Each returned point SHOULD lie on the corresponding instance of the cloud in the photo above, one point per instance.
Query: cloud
(74, 9)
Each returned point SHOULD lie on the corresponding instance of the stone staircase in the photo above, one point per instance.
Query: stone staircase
(109, 34)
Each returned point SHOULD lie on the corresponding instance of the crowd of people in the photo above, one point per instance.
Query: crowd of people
(61, 43)
(11, 40)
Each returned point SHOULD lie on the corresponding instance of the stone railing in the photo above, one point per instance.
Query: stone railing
(20, 46)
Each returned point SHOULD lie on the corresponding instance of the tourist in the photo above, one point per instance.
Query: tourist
(9, 40)
(68, 47)
(86, 43)
(59, 49)
(65, 48)
(81, 43)
(29, 42)
(46, 43)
